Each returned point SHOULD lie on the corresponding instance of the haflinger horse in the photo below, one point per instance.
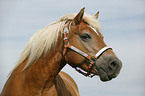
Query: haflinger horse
(75, 40)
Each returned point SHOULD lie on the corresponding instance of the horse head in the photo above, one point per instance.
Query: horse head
(85, 49)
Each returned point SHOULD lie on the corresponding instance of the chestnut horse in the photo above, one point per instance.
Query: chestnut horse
(75, 40)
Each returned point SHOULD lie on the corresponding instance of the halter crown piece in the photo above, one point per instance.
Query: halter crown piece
(92, 59)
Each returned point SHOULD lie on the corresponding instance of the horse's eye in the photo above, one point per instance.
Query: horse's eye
(85, 36)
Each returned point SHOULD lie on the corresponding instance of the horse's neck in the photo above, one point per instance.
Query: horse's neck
(39, 76)
(42, 73)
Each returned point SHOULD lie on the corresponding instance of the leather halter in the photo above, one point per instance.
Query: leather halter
(92, 59)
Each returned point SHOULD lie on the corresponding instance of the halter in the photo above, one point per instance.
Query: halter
(91, 59)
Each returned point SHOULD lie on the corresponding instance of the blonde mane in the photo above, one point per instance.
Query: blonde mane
(42, 41)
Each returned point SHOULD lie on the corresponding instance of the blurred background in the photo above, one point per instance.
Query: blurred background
(123, 26)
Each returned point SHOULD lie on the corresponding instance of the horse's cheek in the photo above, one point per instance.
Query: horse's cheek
(74, 58)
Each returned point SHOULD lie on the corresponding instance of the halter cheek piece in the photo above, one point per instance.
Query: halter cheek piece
(92, 59)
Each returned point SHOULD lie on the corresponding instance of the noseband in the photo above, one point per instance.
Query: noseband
(91, 59)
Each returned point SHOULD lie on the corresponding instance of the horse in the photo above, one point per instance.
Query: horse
(76, 40)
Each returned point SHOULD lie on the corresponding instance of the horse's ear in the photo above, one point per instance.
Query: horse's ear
(97, 15)
(78, 17)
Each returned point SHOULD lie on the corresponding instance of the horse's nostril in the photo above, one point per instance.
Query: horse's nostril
(113, 65)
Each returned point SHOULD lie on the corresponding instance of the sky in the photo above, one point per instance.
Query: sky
(123, 28)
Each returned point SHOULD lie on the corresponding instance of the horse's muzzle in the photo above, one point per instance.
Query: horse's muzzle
(108, 67)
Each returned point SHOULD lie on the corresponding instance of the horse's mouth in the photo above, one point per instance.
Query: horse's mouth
(103, 75)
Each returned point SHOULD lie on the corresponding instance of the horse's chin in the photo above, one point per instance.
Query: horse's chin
(103, 75)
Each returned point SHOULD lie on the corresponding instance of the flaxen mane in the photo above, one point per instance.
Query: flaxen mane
(43, 40)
